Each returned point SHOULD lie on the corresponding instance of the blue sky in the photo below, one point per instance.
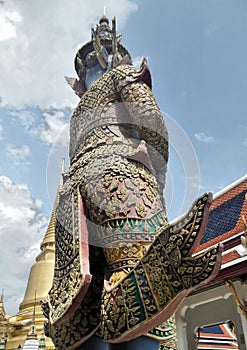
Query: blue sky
(197, 53)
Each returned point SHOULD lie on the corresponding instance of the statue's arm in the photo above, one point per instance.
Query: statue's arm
(143, 108)
(145, 113)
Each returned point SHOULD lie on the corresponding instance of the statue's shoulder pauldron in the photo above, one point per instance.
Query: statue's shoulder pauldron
(128, 74)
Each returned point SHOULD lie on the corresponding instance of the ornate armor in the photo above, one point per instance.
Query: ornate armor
(120, 268)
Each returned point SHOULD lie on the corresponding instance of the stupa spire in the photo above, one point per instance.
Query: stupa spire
(32, 342)
(42, 343)
(2, 309)
(49, 237)
(3, 343)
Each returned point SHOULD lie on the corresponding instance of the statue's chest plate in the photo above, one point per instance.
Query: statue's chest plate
(99, 106)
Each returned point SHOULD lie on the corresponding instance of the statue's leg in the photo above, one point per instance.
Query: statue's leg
(140, 343)
(94, 343)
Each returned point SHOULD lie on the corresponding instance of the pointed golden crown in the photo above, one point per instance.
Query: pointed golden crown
(104, 47)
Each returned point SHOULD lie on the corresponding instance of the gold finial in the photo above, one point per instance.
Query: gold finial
(244, 238)
(104, 18)
(242, 305)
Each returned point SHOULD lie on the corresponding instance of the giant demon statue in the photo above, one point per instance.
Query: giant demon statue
(120, 269)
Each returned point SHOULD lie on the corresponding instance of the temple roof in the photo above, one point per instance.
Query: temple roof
(227, 225)
(226, 212)
(214, 337)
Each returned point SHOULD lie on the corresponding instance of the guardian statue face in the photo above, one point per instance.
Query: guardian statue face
(93, 69)
(98, 56)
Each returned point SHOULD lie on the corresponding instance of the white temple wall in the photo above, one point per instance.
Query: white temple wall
(210, 307)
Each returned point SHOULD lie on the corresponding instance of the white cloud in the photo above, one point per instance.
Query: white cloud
(26, 117)
(18, 155)
(53, 123)
(39, 50)
(200, 136)
(8, 20)
(22, 227)
(245, 143)
(50, 125)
